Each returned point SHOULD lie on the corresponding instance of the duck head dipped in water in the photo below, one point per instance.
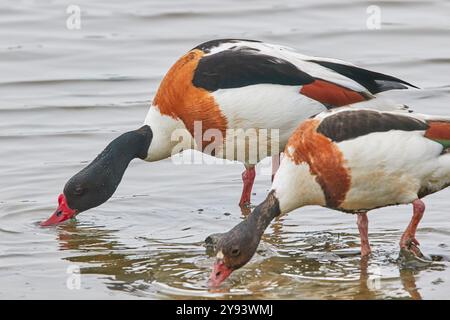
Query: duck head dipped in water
(97, 182)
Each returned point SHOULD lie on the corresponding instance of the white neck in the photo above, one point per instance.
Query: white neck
(162, 127)
(296, 187)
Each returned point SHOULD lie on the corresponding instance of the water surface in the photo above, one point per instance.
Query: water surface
(64, 94)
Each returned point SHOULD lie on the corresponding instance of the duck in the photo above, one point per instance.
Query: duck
(350, 160)
(213, 92)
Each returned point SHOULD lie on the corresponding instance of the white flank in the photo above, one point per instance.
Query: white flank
(266, 106)
(390, 168)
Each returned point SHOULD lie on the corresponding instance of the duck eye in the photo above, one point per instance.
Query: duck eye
(235, 252)
(78, 191)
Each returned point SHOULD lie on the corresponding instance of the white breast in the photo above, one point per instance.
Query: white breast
(295, 186)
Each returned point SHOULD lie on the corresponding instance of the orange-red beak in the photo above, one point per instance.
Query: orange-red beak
(62, 213)
(219, 274)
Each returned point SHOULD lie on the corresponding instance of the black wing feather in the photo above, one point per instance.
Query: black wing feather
(348, 125)
(244, 67)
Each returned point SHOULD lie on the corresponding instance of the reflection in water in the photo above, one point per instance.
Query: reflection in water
(309, 265)
(370, 283)
(409, 283)
(131, 269)
(104, 254)
(366, 284)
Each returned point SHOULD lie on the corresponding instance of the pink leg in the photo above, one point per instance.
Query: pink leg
(363, 227)
(408, 240)
(275, 164)
(248, 177)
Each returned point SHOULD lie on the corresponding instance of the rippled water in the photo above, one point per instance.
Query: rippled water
(64, 94)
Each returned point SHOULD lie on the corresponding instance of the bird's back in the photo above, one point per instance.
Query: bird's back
(246, 84)
(364, 159)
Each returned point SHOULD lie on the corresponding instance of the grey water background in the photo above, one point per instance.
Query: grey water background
(64, 94)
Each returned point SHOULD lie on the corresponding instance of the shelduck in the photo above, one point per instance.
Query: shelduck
(226, 84)
(351, 160)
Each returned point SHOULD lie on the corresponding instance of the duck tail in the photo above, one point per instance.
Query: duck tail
(373, 81)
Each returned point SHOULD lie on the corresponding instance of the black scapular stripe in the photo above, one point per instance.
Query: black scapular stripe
(348, 125)
(239, 68)
(375, 82)
(207, 46)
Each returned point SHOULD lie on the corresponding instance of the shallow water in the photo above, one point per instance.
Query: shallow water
(64, 94)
